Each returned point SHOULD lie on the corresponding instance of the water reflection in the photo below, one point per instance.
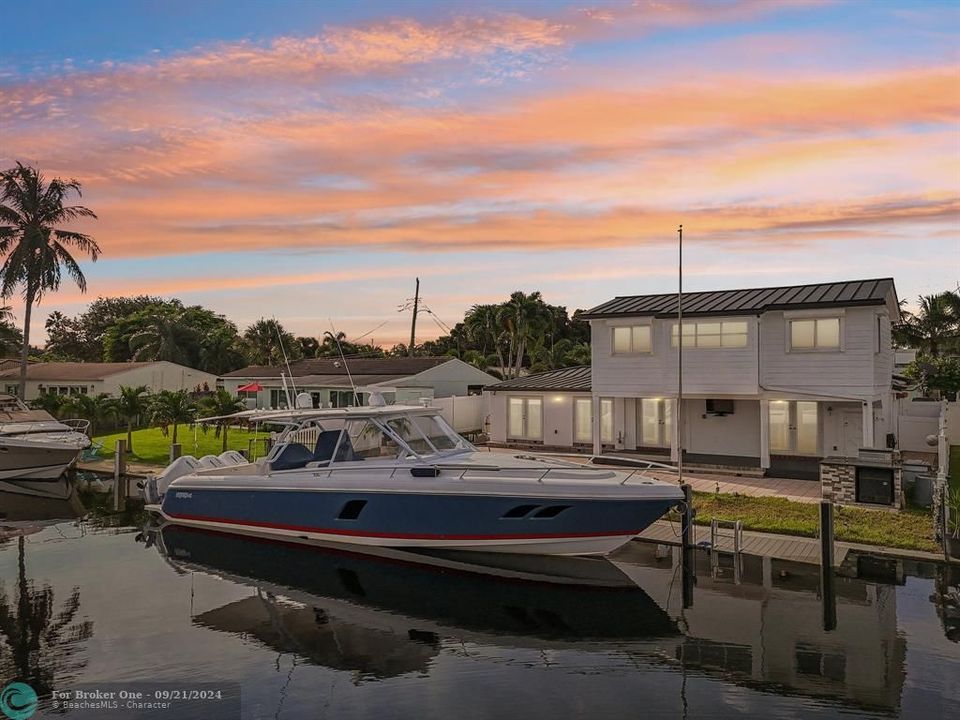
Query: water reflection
(766, 631)
(39, 643)
(384, 614)
(946, 599)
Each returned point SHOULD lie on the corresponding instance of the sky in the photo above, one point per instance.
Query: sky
(307, 160)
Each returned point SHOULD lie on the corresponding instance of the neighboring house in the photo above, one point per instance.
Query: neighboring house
(400, 380)
(92, 378)
(773, 378)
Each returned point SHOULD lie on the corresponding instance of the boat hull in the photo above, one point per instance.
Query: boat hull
(34, 460)
(551, 525)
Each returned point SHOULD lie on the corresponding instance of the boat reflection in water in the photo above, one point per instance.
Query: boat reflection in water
(386, 612)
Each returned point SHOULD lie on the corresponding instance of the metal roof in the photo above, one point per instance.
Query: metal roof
(751, 301)
(393, 366)
(572, 378)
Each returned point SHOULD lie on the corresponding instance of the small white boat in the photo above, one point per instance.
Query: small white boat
(400, 476)
(34, 444)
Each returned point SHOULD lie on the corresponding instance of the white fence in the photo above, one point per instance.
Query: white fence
(915, 422)
(465, 413)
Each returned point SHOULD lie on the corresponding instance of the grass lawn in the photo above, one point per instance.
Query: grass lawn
(152, 446)
(911, 529)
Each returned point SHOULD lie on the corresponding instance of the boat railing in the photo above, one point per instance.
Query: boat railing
(77, 424)
(541, 474)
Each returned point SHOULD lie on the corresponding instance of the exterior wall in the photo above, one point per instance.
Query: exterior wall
(557, 416)
(737, 434)
(731, 371)
(449, 378)
(857, 370)
(157, 376)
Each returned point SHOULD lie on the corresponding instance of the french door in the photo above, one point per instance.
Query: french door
(655, 422)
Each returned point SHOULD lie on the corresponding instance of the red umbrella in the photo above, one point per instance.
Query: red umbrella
(251, 387)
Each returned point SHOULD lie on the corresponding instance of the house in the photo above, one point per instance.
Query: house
(330, 381)
(773, 379)
(93, 378)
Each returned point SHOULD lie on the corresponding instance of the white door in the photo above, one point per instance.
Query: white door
(852, 432)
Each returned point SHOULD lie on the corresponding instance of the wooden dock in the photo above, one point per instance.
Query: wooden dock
(781, 547)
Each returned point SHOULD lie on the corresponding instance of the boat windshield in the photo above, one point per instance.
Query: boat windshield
(415, 436)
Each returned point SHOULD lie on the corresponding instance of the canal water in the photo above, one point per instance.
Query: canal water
(91, 599)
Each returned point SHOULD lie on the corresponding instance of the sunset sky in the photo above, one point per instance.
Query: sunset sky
(306, 160)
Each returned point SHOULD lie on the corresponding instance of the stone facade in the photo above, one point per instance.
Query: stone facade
(838, 480)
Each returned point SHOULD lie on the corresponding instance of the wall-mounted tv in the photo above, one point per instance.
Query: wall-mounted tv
(719, 407)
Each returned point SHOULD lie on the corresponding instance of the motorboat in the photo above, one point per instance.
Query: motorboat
(34, 444)
(400, 476)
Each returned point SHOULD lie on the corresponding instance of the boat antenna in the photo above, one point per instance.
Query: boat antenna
(286, 362)
(333, 336)
(679, 414)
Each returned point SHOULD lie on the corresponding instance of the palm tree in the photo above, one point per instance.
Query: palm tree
(220, 351)
(11, 339)
(49, 401)
(34, 247)
(131, 405)
(40, 642)
(522, 317)
(95, 408)
(219, 404)
(264, 344)
(170, 407)
(935, 327)
(165, 336)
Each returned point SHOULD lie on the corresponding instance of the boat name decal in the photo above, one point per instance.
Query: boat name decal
(184, 495)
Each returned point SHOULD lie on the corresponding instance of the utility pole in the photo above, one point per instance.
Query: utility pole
(413, 322)
(679, 414)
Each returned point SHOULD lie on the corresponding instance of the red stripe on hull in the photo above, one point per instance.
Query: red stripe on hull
(396, 536)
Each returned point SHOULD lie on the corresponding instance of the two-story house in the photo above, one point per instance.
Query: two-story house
(773, 378)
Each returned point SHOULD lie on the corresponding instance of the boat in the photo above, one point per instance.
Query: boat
(34, 444)
(400, 476)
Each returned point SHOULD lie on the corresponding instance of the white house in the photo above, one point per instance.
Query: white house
(92, 378)
(330, 381)
(773, 378)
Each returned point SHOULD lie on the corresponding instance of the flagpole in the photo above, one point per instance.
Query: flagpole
(678, 416)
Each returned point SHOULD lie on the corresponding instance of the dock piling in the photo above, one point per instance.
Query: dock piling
(119, 475)
(827, 581)
(687, 548)
(176, 450)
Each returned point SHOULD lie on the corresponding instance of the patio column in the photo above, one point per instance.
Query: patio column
(595, 418)
(619, 423)
(867, 412)
(764, 434)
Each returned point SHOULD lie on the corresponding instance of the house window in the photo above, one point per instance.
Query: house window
(815, 334)
(278, 399)
(712, 334)
(12, 389)
(794, 427)
(632, 339)
(65, 390)
(344, 398)
(525, 418)
(583, 420)
(656, 422)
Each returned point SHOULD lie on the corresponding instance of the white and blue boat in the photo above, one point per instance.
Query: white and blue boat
(400, 476)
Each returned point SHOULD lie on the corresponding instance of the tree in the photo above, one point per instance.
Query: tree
(934, 328)
(218, 404)
(522, 317)
(131, 406)
(221, 350)
(51, 402)
(262, 342)
(164, 335)
(169, 407)
(98, 409)
(309, 346)
(935, 374)
(11, 338)
(34, 247)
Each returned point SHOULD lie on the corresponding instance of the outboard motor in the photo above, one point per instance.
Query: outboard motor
(155, 486)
